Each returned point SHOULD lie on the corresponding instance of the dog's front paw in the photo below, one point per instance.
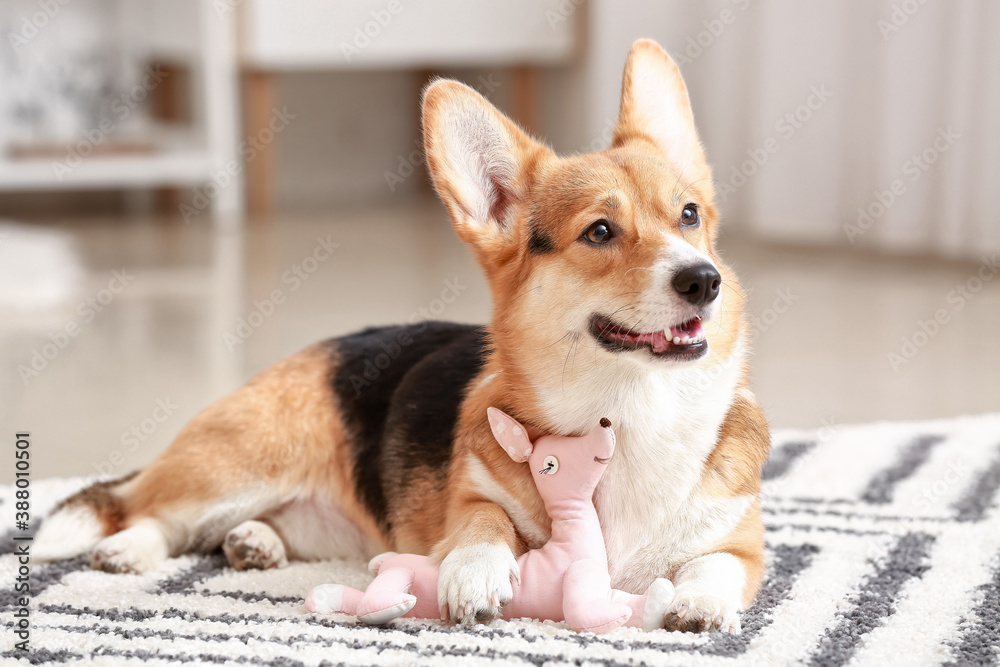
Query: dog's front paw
(693, 610)
(474, 582)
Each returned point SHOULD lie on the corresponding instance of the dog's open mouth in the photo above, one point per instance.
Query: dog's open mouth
(686, 341)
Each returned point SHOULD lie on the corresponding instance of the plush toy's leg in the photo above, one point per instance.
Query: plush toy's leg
(328, 598)
(387, 597)
(587, 599)
(649, 609)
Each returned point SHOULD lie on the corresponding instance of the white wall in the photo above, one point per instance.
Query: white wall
(885, 79)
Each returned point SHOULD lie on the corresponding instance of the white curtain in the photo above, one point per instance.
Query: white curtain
(866, 123)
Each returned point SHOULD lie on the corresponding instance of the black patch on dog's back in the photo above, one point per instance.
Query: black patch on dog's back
(401, 389)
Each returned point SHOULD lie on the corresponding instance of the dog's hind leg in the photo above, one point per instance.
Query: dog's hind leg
(166, 511)
(151, 537)
(277, 440)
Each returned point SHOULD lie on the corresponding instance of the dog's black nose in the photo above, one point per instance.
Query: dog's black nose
(698, 283)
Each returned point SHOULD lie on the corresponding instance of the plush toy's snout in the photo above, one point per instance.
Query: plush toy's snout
(604, 441)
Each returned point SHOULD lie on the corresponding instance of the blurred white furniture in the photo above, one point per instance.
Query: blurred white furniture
(320, 34)
(433, 35)
(194, 33)
(220, 40)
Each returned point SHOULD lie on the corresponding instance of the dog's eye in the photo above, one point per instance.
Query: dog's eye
(599, 232)
(689, 216)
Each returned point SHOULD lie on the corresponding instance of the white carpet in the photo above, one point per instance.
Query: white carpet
(884, 549)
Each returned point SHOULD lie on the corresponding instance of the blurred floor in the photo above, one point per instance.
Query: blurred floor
(161, 338)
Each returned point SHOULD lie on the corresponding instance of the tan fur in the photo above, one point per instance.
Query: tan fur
(734, 468)
(101, 497)
(281, 431)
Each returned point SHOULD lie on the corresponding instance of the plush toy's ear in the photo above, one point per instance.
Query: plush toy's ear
(511, 435)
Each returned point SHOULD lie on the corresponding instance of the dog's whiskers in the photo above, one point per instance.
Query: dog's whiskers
(556, 342)
(735, 291)
(573, 343)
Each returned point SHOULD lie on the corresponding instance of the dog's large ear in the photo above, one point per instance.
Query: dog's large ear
(655, 105)
(478, 160)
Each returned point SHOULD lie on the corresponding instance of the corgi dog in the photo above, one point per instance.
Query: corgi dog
(608, 300)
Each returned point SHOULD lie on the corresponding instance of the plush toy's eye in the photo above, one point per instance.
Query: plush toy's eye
(599, 232)
(689, 216)
(549, 466)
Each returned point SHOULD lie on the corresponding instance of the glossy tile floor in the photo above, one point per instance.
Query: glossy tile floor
(113, 333)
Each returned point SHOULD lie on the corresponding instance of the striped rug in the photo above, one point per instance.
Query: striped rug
(884, 549)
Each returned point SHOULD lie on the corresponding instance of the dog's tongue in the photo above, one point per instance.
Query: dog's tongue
(686, 333)
(690, 329)
(657, 340)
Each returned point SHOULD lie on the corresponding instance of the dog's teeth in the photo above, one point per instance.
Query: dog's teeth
(677, 340)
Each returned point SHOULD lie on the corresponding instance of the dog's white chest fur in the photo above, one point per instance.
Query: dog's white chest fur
(667, 424)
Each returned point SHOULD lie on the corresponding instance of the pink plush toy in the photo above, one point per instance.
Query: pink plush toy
(566, 579)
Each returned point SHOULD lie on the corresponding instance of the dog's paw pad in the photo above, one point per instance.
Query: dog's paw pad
(694, 612)
(254, 545)
(114, 561)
